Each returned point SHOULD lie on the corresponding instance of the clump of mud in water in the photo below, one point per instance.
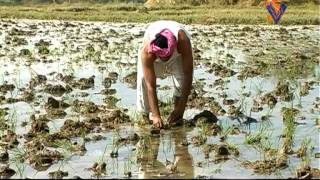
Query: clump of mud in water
(306, 87)
(72, 128)
(269, 99)
(220, 70)
(39, 79)
(220, 152)
(282, 90)
(57, 90)
(65, 78)
(205, 117)
(55, 108)
(39, 156)
(306, 172)
(84, 83)
(4, 155)
(6, 172)
(99, 169)
(131, 79)
(108, 91)
(256, 107)
(115, 117)
(267, 166)
(248, 73)
(38, 126)
(196, 100)
(133, 138)
(111, 101)
(84, 107)
(107, 82)
(9, 139)
(316, 105)
(4, 88)
(198, 140)
(53, 103)
(27, 96)
(57, 174)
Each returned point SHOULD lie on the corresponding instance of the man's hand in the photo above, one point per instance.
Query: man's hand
(157, 121)
(176, 115)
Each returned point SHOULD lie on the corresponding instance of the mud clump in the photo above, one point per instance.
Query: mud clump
(282, 90)
(133, 138)
(27, 96)
(35, 81)
(107, 82)
(257, 106)
(6, 172)
(269, 99)
(9, 139)
(42, 43)
(38, 126)
(56, 90)
(111, 101)
(113, 75)
(266, 166)
(84, 83)
(57, 174)
(84, 107)
(4, 156)
(114, 117)
(72, 128)
(40, 157)
(220, 152)
(306, 172)
(99, 168)
(108, 91)
(205, 117)
(65, 78)
(248, 73)
(53, 103)
(6, 87)
(220, 70)
(228, 101)
(198, 140)
(131, 79)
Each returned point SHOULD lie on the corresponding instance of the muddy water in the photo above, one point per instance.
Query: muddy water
(98, 49)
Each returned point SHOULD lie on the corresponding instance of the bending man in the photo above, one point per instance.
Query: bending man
(166, 50)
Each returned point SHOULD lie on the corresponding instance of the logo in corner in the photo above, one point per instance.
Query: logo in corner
(276, 9)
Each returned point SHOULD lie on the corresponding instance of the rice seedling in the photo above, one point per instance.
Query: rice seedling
(289, 129)
(18, 157)
(225, 131)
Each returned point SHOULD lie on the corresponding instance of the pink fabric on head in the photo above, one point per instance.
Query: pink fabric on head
(165, 52)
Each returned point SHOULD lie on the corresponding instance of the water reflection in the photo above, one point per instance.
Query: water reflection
(152, 165)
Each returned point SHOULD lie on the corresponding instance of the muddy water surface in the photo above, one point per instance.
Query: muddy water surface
(245, 75)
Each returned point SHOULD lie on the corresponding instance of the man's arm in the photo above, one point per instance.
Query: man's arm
(150, 82)
(185, 49)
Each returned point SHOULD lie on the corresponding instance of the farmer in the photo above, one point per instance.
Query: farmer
(166, 50)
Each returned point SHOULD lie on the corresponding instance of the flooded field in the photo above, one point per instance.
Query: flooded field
(67, 103)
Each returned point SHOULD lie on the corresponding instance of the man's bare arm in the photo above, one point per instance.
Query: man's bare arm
(150, 82)
(185, 49)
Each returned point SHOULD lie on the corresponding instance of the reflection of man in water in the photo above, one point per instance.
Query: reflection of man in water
(151, 167)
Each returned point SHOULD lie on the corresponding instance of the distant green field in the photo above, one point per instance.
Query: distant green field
(136, 12)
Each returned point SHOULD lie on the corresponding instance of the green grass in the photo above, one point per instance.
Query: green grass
(135, 12)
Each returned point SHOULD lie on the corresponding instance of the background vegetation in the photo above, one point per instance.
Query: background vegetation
(184, 11)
